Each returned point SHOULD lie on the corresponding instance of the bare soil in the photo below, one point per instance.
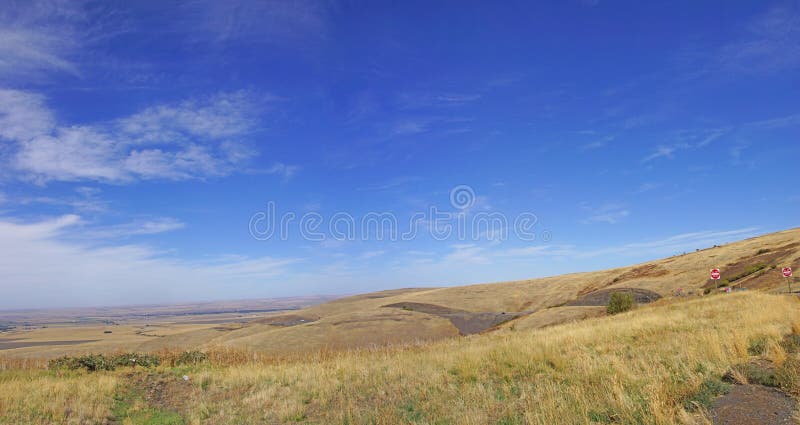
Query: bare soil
(754, 404)
(466, 322)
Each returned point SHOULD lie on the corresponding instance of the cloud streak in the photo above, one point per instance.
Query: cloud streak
(40, 269)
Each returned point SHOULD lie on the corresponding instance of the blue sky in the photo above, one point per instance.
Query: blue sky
(141, 144)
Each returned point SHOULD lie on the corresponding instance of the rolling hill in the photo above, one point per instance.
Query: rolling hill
(421, 314)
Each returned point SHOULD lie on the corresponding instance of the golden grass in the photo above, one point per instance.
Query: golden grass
(38, 397)
(632, 368)
(637, 367)
(361, 321)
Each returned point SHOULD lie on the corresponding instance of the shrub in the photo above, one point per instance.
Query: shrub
(191, 358)
(620, 302)
(97, 362)
(91, 362)
(134, 359)
(748, 271)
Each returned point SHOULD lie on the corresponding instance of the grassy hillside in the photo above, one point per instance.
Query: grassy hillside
(656, 364)
(426, 314)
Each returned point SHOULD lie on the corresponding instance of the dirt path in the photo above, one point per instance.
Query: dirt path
(754, 404)
(466, 322)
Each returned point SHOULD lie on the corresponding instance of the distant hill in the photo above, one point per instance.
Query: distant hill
(417, 314)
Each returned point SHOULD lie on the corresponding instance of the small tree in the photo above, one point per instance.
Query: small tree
(620, 302)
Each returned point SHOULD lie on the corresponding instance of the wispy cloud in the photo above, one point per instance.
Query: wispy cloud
(115, 274)
(38, 38)
(417, 100)
(609, 213)
(686, 140)
(771, 44)
(242, 21)
(134, 228)
(23, 115)
(85, 200)
(371, 254)
(646, 187)
(672, 244)
(597, 144)
(663, 151)
(393, 183)
(195, 138)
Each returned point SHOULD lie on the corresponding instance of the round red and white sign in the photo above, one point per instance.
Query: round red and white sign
(715, 274)
(787, 272)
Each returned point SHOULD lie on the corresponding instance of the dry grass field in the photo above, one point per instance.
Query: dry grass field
(651, 365)
(540, 351)
(364, 320)
(376, 319)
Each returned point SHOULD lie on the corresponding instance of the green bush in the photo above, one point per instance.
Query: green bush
(191, 358)
(620, 302)
(97, 362)
(136, 359)
(748, 271)
(91, 363)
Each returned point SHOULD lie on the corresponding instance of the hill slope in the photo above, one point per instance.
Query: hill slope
(427, 314)
(659, 365)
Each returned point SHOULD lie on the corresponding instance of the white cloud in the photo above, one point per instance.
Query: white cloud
(134, 228)
(436, 100)
(23, 115)
(371, 254)
(191, 139)
(272, 22)
(646, 187)
(216, 117)
(771, 44)
(40, 269)
(287, 171)
(73, 153)
(38, 38)
(597, 144)
(673, 244)
(664, 152)
(607, 213)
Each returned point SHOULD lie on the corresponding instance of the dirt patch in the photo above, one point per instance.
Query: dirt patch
(753, 404)
(287, 320)
(641, 272)
(466, 322)
(601, 297)
(147, 397)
